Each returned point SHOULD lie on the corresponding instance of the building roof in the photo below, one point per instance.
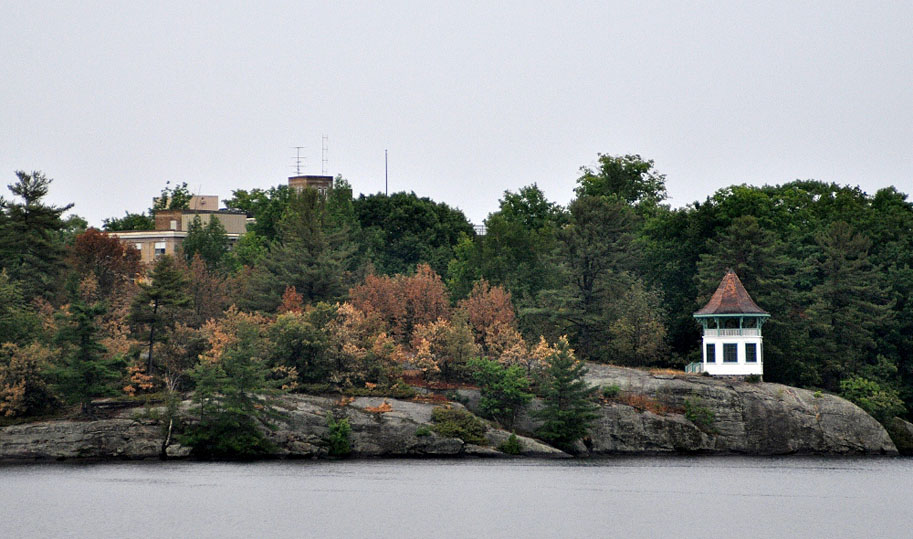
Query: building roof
(730, 298)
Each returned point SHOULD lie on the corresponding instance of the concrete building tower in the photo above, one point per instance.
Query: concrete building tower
(322, 184)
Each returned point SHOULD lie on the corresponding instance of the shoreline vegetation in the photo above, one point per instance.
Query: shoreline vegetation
(388, 325)
(642, 413)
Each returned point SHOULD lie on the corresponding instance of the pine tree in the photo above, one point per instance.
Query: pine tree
(159, 303)
(30, 237)
(306, 256)
(596, 251)
(568, 401)
(18, 323)
(86, 374)
(504, 389)
(234, 389)
(849, 304)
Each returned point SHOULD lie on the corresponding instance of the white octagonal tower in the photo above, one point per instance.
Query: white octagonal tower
(732, 344)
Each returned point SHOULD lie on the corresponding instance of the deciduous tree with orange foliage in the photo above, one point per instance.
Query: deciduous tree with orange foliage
(361, 348)
(491, 315)
(403, 301)
(24, 389)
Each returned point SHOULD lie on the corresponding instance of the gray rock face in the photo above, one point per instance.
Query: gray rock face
(529, 447)
(107, 438)
(726, 417)
(374, 434)
(902, 434)
(758, 419)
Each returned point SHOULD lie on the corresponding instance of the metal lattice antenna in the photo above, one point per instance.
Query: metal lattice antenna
(323, 155)
(298, 159)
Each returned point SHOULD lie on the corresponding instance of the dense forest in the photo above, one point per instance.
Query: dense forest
(356, 295)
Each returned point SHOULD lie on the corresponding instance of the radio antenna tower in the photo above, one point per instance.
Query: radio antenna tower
(298, 159)
(323, 155)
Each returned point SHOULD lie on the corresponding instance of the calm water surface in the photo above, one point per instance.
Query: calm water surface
(624, 497)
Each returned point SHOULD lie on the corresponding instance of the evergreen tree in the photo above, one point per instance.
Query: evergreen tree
(637, 334)
(159, 304)
(569, 408)
(86, 374)
(31, 247)
(18, 323)
(849, 304)
(305, 256)
(504, 389)
(596, 253)
(234, 390)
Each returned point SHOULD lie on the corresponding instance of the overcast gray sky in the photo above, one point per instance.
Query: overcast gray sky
(112, 99)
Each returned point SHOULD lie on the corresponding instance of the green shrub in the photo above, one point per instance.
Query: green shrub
(879, 400)
(423, 431)
(511, 446)
(458, 423)
(226, 435)
(699, 414)
(504, 390)
(753, 378)
(610, 392)
(338, 436)
(818, 394)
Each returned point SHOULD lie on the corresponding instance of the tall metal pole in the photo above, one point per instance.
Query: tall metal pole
(386, 185)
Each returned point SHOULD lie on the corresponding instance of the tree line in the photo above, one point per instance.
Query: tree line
(340, 293)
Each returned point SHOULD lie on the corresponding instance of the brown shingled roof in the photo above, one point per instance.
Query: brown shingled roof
(730, 298)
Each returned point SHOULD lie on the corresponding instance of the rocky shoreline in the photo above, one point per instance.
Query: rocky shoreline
(642, 413)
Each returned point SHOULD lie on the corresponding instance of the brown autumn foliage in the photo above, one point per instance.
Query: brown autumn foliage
(488, 306)
(362, 349)
(223, 334)
(112, 262)
(23, 388)
(403, 301)
(643, 403)
(491, 315)
(292, 301)
(442, 348)
(209, 291)
(113, 329)
(178, 353)
(138, 381)
(505, 344)
(381, 408)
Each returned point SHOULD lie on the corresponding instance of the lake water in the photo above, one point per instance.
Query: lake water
(621, 497)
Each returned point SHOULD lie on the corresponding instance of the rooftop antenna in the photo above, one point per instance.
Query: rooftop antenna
(298, 159)
(323, 155)
(386, 188)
